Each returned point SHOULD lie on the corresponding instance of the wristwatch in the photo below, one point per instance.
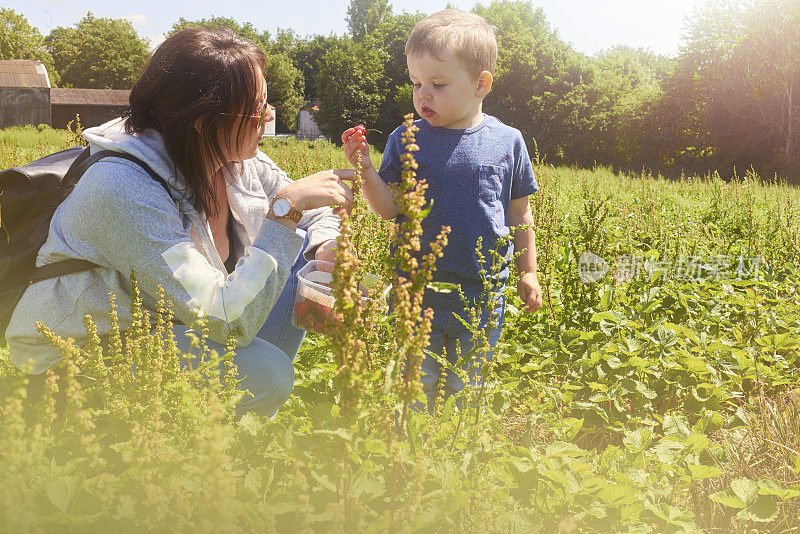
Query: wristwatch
(283, 207)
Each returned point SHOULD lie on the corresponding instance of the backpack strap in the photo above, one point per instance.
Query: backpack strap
(79, 169)
(61, 268)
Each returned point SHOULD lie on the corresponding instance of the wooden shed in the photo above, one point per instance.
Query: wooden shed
(24, 93)
(94, 106)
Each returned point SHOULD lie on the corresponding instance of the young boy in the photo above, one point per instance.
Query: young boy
(479, 177)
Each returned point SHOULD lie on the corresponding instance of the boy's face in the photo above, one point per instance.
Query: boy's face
(446, 94)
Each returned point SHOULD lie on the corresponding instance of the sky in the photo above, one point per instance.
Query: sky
(589, 25)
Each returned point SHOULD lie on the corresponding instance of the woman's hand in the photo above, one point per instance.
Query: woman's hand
(324, 188)
(355, 143)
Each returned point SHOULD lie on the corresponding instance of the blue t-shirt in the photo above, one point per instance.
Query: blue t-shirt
(472, 176)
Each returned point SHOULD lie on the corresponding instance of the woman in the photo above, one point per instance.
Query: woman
(225, 248)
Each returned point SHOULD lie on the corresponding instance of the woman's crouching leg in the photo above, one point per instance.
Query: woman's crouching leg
(264, 370)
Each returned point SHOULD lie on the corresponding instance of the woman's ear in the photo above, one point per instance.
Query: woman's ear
(485, 79)
(198, 123)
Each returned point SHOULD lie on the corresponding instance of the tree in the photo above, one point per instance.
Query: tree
(20, 40)
(770, 59)
(246, 30)
(364, 16)
(390, 36)
(285, 90)
(621, 87)
(306, 55)
(352, 87)
(537, 79)
(98, 53)
(284, 81)
(735, 87)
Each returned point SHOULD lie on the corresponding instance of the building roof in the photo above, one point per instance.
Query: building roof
(23, 73)
(90, 97)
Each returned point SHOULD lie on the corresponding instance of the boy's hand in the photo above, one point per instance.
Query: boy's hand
(355, 143)
(530, 292)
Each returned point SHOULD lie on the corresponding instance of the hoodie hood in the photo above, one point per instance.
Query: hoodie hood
(147, 145)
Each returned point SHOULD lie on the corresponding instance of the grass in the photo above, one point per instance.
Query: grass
(660, 404)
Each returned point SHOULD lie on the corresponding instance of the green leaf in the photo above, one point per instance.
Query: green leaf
(251, 424)
(770, 486)
(605, 300)
(572, 426)
(763, 510)
(373, 446)
(675, 424)
(649, 307)
(701, 472)
(441, 287)
(561, 448)
(522, 464)
(558, 477)
(667, 451)
(62, 490)
(727, 498)
(254, 480)
(784, 341)
(449, 406)
(645, 391)
(366, 485)
(638, 440)
(610, 316)
(340, 433)
(745, 489)
(615, 494)
(324, 481)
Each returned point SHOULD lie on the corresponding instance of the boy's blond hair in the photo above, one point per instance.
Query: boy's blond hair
(466, 35)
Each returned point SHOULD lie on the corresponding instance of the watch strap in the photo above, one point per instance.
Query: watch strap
(294, 215)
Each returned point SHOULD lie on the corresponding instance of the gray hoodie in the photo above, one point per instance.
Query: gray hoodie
(121, 219)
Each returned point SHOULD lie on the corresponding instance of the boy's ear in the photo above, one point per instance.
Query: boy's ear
(485, 80)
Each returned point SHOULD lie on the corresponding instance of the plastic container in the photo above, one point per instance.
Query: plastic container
(313, 303)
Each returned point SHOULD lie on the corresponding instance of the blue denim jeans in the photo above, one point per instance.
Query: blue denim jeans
(265, 365)
(447, 332)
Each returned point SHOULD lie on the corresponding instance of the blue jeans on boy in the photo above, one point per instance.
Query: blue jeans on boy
(265, 366)
(447, 332)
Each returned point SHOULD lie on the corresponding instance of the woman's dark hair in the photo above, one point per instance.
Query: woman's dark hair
(209, 75)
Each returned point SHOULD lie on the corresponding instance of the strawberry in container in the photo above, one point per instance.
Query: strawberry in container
(313, 303)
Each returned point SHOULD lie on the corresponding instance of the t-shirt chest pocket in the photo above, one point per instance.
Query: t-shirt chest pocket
(490, 183)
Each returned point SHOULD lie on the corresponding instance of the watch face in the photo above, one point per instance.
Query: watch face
(281, 207)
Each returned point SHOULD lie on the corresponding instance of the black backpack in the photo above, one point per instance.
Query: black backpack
(29, 195)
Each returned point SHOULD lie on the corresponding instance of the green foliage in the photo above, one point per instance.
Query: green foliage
(733, 100)
(306, 55)
(98, 53)
(657, 404)
(364, 16)
(20, 40)
(390, 36)
(284, 81)
(22, 144)
(351, 87)
(246, 30)
(285, 86)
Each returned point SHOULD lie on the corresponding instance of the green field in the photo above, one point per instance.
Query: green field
(668, 402)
